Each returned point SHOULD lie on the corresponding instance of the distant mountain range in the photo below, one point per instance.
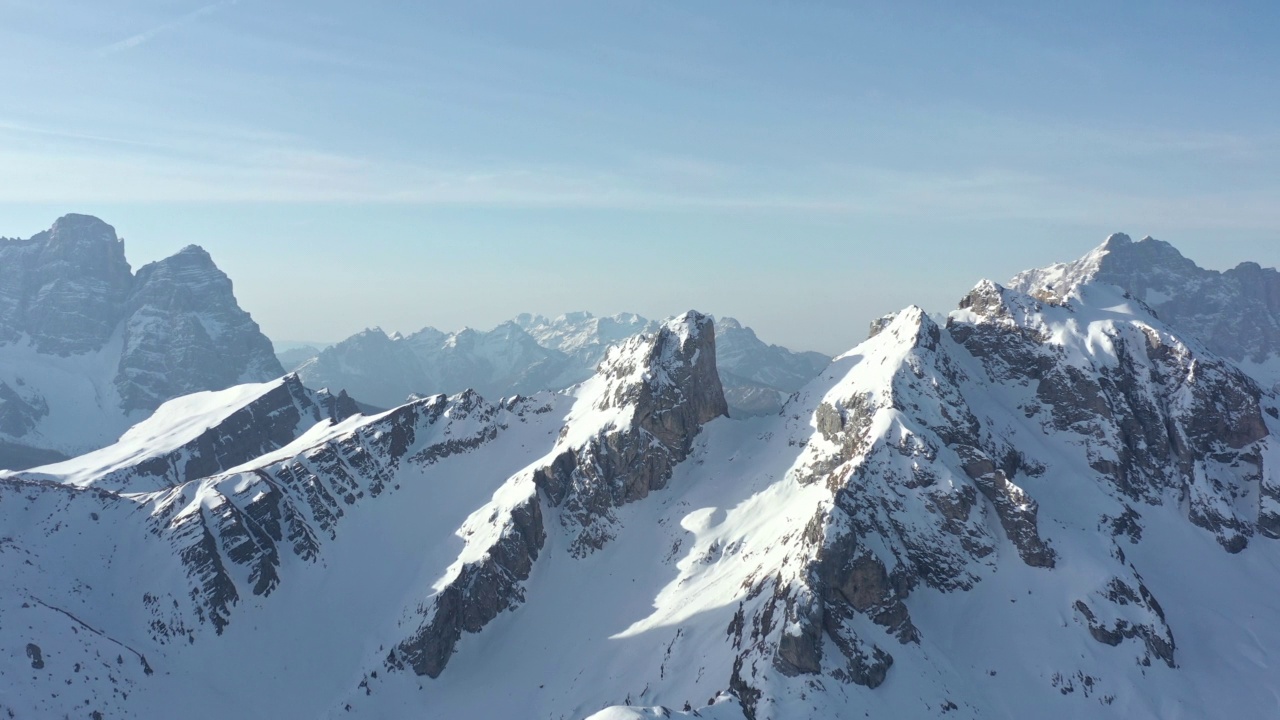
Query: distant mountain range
(1059, 501)
(532, 353)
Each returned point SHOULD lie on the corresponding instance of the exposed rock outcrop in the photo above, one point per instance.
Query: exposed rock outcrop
(632, 424)
(65, 288)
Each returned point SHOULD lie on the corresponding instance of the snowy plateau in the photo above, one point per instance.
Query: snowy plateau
(1060, 501)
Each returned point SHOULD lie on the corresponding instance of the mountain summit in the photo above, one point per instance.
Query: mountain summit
(87, 347)
(1236, 313)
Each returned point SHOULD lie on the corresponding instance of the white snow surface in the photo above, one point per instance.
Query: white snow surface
(638, 628)
(173, 424)
(79, 390)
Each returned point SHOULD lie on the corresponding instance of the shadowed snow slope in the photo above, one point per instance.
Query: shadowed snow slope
(1047, 506)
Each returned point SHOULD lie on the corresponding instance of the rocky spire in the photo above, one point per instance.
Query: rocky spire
(631, 425)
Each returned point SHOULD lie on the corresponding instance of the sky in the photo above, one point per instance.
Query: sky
(802, 166)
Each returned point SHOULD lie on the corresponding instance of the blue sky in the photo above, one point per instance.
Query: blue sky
(804, 166)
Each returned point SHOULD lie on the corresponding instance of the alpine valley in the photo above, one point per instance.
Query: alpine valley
(1060, 501)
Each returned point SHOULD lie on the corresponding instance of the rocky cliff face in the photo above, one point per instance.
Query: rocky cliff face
(931, 460)
(631, 425)
(64, 289)
(87, 347)
(185, 333)
(225, 542)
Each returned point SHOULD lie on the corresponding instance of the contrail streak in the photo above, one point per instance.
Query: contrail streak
(134, 41)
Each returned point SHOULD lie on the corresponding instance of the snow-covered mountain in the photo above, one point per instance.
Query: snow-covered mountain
(291, 355)
(533, 353)
(385, 371)
(759, 377)
(88, 348)
(1236, 313)
(582, 335)
(202, 434)
(1050, 505)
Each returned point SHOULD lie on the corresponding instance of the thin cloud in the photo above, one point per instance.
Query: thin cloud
(234, 165)
(20, 129)
(141, 38)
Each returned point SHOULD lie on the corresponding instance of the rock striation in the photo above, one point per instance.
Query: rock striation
(183, 332)
(65, 288)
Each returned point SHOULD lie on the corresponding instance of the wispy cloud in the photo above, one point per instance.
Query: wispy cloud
(146, 36)
(251, 173)
(229, 164)
(30, 130)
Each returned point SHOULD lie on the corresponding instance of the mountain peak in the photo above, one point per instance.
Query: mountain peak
(999, 475)
(574, 317)
(527, 320)
(986, 298)
(913, 326)
(1151, 248)
(728, 323)
(64, 287)
(194, 253)
(1117, 261)
(690, 324)
(532, 353)
(86, 227)
(172, 328)
(1117, 240)
(1235, 313)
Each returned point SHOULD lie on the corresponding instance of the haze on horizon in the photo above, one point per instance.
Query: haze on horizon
(801, 168)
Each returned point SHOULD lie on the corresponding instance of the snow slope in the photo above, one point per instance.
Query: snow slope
(74, 402)
(199, 434)
(1049, 506)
